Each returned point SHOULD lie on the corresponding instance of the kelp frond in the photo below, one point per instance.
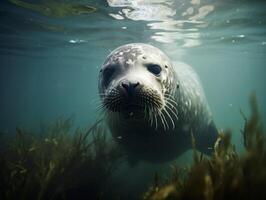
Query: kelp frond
(58, 164)
(226, 175)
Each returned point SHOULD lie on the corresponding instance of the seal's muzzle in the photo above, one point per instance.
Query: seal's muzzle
(130, 88)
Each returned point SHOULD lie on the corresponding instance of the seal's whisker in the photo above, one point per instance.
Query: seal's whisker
(171, 95)
(101, 93)
(156, 122)
(102, 113)
(110, 106)
(95, 100)
(112, 99)
(97, 103)
(112, 102)
(146, 114)
(172, 112)
(100, 108)
(171, 107)
(167, 93)
(160, 117)
(113, 93)
(170, 103)
(167, 125)
(107, 115)
(156, 104)
(167, 113)
(154, 117)
(150, 117)
(163, 119)
(171, 100)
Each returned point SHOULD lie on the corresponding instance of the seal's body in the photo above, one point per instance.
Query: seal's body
(153, 106)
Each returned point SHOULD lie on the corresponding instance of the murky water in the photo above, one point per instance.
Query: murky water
(51, 51)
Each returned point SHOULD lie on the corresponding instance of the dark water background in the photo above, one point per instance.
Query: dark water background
(49, 63)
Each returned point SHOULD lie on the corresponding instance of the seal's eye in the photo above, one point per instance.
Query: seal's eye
(155, 69)
(108, 74)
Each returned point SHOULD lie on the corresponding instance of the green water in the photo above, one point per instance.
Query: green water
(50, 59)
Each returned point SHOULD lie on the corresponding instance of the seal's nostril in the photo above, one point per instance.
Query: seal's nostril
(135, 84)
(130, 87)
(125, 85)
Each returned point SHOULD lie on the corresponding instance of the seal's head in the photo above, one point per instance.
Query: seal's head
(136, 80)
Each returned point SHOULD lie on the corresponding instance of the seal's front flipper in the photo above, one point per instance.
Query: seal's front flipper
(205, 142)
(132, 162)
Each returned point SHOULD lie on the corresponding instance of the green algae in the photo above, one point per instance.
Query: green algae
(226, 174)
(55, 8)
(61, 163)
(58, 164)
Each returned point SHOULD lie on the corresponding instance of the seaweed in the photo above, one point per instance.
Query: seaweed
(58, 164)
(53, 8)
(226, 174)
(62, 163)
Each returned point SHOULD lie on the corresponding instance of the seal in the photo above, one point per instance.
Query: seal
(152, 105)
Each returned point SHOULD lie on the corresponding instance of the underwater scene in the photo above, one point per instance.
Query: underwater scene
(132, 99)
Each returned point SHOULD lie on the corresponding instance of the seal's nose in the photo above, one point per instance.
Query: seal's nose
(130, 87)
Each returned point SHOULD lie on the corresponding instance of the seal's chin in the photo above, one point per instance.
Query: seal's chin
(132, 111)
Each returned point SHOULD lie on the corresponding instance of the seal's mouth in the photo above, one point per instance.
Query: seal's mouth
(149, 105)
(138, 105)
(132, 107)
(132, 111)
